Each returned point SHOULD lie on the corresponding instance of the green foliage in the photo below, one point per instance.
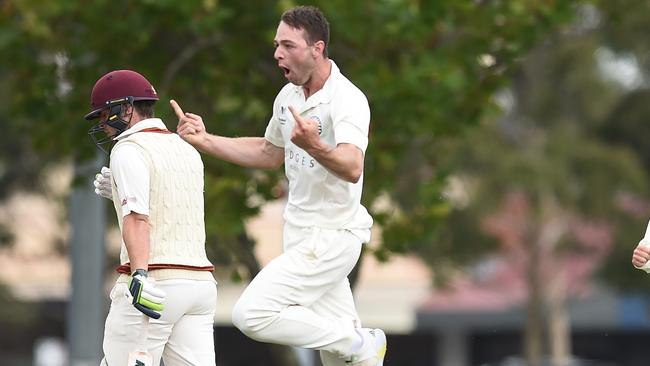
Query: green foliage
(214, 58)
(433, 71)
(623, 29)
(429, 69)
(626, 124)
(573, 139)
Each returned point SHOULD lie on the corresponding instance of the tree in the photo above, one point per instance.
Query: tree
(622, 35)
(558, 180)
(547, 200)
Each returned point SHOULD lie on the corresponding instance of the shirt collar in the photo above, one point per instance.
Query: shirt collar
(144, 124)
(326, 92)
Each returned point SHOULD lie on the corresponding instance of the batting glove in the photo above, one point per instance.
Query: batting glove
(144, 295)
(102, 183)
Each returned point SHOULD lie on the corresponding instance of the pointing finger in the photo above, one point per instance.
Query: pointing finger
(296, 115)
(177, 109)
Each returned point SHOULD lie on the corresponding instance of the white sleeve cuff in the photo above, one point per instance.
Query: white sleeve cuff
(348, 133)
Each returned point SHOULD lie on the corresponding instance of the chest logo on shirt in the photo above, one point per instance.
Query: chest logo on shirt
(320, 124)
(282, 118)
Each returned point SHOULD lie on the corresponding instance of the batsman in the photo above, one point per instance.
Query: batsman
(163, 302)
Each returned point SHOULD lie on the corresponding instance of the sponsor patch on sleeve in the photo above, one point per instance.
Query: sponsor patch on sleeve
(125, 200)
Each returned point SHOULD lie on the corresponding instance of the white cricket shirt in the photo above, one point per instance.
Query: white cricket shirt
(130, 170)
(317, 197)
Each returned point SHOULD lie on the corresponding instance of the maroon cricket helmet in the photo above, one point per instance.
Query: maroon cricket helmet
(117, 85)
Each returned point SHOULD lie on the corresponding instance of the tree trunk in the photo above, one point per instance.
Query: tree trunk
(559, 327)
(534, 319)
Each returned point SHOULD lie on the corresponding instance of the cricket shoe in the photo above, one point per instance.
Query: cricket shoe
(372, 351)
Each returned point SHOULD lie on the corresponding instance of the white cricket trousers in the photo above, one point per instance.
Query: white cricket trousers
(302, 298)
(183, 335)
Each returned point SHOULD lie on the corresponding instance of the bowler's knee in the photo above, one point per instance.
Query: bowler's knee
(243, 318)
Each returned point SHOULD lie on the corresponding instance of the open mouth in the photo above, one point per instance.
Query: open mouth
(285, 70)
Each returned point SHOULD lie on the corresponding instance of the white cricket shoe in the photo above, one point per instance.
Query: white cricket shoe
(372, 351)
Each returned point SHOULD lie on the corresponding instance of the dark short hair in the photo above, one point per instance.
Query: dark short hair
(312, 21)
(144, 108)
